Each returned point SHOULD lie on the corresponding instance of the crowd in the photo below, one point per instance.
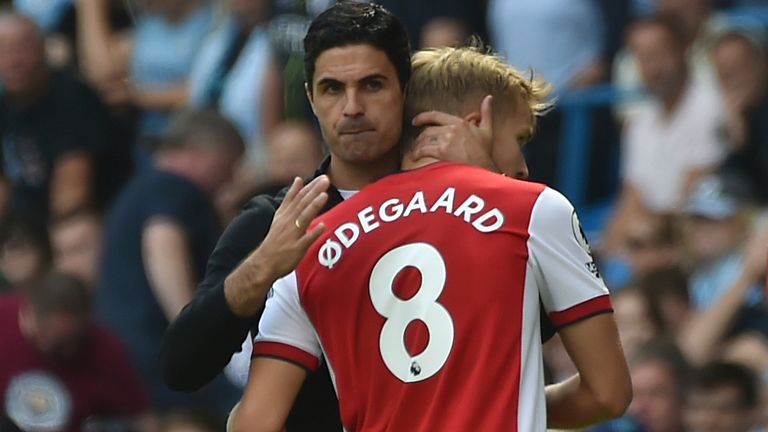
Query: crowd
(132, 132)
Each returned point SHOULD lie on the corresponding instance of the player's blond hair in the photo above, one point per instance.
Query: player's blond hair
(455, 80)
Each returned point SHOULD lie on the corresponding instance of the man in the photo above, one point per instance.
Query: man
(214, 325)
(671, 142)
(55, 134)
(427, 331)
(157, 237)
(659, 378)
(59, 368)
(723, 397)
(76, 242)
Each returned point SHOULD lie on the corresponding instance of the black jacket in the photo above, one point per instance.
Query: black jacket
(201, 340)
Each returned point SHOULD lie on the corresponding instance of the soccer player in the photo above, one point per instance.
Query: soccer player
(422, 292)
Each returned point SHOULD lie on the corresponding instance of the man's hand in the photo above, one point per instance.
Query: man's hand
(451, 138)
(282, 248)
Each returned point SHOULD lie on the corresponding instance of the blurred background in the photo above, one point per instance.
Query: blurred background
(659, 138)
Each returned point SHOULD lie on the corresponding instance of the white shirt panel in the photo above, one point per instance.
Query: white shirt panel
(559, 255)
(532, 408)
(285, 321)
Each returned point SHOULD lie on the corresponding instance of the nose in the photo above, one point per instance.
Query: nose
(352, 105)
(522, 170)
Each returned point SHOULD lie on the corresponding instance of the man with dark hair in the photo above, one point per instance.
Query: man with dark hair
(157, 238)
(58, 368)
(361, 78)
(722, 397)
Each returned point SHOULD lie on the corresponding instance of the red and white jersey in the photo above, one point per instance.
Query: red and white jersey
(423, 297)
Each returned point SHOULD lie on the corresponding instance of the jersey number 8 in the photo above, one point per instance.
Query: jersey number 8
(400, 313)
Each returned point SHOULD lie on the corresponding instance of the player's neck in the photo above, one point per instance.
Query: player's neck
(411, 163)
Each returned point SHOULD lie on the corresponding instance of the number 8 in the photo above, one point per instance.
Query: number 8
(400, 313)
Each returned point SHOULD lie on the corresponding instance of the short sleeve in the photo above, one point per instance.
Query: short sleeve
(285, 331)
(569, 283)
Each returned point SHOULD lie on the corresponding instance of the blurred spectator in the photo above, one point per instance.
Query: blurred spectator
(444, 32)
(698, 27)
(659, 378)
(562, 41)
(237, 73)
(742, 68)
(667, 292)
(157, 239)
(25, 252)
(722, 397)
(639, 320)
(151, 72)
(672, 140)
(294, 148)
(76, 244)
(59, 368)
(58, 22)
(726, 291)
(418, 16)
(56, 135)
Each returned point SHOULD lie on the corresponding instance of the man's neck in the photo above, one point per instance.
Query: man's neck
(345, 175)
(671, 101)
(29, 97)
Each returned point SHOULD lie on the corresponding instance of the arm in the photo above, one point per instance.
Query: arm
(706, 329)
(271, 100)
(71, 183)
(170, 99)
(167, 260)
(602, 389)
(208, 329)
(272, 388)
(578, 304)
(104, 56)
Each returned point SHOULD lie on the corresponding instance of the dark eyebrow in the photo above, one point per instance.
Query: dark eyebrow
(373, 77)
(325, 82)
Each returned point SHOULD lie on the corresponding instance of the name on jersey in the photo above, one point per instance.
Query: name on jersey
(472, 211)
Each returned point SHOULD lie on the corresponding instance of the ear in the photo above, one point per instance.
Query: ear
(311, 100)
(474, 118)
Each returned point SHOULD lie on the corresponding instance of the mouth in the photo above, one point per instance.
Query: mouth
(356, 132)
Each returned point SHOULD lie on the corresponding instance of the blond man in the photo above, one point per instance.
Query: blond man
(422, 293)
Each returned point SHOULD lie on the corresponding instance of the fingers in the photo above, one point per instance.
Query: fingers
(310, 211)
(432, 118)
(312, 236)
(292, 192)
(307, 193)
(486, 114)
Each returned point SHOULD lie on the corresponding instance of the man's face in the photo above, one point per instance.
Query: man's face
(510, 134)
(59, 336)
(661, 62)
(711, 239)
(358, 101)
(22, 57)
(657, 402)
(77, 247)
(717, 410)
(740, 71)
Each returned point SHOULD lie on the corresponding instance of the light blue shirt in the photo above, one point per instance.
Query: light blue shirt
(557, 38)
(707, 284)
(45, 13)
(163, 54)
(243, 88)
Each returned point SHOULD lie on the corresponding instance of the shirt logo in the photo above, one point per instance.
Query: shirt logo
(581, 239)
(38, 401)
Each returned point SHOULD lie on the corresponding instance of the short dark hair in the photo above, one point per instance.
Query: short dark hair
(25, 228)
(666, 22)
(58, 292)
(354, 23)
(719, 374)
(192, 128)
